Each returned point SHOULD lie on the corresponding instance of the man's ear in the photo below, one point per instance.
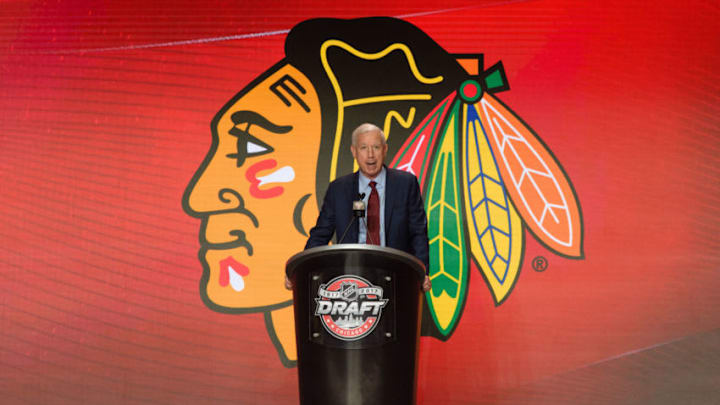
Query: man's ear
(354, 151)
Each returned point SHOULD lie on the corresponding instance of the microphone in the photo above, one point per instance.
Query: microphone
(358, 207)
(362, 218)
(360, 213)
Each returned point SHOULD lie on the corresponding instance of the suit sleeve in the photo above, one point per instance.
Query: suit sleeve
(418, 225)
(324, 229)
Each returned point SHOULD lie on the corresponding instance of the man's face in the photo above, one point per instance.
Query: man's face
(253, 191)
(369, 152)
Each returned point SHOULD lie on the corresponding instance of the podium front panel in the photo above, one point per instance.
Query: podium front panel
(356, 319)
(357, 324)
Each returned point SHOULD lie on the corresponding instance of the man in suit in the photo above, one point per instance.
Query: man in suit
(395, 213)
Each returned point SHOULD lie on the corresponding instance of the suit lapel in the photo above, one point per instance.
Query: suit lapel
(389, 200)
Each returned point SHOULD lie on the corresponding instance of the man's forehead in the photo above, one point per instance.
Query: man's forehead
(371, 136)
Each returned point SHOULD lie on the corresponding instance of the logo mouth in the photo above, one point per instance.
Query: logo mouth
(285, 174)
(233, 273)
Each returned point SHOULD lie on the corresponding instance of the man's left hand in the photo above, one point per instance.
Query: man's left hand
(426, 284)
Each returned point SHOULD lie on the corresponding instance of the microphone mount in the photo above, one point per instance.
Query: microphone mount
(358, 207)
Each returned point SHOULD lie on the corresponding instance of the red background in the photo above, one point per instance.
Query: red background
(104, 117)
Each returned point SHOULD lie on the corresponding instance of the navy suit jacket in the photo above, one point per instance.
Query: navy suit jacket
(405, 218)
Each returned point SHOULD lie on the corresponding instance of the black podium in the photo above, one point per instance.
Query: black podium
(357, 324)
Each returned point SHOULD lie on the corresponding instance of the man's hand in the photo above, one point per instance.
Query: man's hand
(426, 284)
(288, 283)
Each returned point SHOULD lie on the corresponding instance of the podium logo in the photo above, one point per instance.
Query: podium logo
(349, 307)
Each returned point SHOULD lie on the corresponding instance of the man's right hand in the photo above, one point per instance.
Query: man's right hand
(288, 283)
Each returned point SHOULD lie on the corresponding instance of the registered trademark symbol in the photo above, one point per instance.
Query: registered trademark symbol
(539, 263)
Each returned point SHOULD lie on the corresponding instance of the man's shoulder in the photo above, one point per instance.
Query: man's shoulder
(346, 179)
(341, 183)
(400, 175)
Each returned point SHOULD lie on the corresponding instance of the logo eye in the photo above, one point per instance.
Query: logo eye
(255, 147)
(247, 146)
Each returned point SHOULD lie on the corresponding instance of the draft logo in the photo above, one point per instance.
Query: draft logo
(277, 144)
(349, 307)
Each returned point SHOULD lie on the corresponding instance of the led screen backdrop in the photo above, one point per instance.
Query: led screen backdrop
(160, 163)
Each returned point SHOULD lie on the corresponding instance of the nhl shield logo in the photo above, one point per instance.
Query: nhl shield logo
(349, 307)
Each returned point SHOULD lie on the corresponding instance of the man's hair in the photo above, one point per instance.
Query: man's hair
(366, 127)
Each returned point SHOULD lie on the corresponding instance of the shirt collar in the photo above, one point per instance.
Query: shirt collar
(364, 182)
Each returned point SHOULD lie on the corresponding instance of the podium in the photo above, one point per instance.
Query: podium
(357, 324)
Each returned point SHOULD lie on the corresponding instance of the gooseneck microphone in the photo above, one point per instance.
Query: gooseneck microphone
(358, 207)
(368, 235)
(362, 215)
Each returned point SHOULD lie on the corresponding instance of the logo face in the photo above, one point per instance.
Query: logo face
(349, 307)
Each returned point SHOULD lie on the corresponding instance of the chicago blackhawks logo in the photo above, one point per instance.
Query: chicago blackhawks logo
(488, 180)
(349, 307)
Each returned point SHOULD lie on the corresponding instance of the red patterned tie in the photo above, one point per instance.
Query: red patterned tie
(373, 217)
